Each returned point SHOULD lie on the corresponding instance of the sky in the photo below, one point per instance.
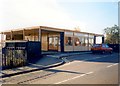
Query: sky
(90, 16)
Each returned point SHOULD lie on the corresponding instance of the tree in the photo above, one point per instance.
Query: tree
(112, 35)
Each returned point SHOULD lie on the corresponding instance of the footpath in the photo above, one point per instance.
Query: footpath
(47, 61)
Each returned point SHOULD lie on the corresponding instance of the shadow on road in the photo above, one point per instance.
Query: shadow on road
(107, 58)
(56, 70)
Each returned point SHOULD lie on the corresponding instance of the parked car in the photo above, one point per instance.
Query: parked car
(101, 48)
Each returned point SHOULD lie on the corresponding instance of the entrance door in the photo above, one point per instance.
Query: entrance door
(53, 43)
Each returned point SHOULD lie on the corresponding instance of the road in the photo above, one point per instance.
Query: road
(80, 69)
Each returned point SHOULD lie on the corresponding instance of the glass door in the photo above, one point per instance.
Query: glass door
(53, 43)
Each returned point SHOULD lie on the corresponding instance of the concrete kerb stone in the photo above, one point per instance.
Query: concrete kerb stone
(37, 69)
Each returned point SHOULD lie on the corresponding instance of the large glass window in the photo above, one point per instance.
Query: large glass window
(86, 41)
(50, 40)
(77, 41)
(82, 41)
(53, 43)
(90, 41)
(68, 41)
(8, 37)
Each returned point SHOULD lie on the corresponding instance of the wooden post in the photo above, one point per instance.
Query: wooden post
(2, 40)
(23, 34)
(11, 35)
(39, 35)
(34, 34)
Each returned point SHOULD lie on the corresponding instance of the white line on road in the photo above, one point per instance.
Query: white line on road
(80, 61)
(73, 78)
(94, 58)
(112, 65)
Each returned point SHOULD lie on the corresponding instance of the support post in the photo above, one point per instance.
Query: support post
(73, 42)
(39, 39)
(2, 40)
(103, 39)
(88, 41)
(23, 34)
(94, 39)
(39, 35)
(62, 41)
(11, 35)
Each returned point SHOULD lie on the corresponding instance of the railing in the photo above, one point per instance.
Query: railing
(20, 53)
(13, 58)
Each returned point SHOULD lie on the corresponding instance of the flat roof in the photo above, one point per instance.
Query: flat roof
(47, 28)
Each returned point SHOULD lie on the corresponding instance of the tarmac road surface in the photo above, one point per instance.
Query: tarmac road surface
(80, 69)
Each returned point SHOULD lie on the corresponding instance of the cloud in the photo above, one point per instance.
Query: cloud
(26, 13)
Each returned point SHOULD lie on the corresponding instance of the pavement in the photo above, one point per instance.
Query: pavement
(43, 63)
(48, 61)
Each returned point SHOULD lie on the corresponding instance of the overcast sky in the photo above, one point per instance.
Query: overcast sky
(90, 16)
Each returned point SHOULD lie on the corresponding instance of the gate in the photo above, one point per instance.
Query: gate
(13, 55)
(16, 54)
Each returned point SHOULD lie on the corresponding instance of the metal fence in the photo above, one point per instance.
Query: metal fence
(16, 54)
(13, 56)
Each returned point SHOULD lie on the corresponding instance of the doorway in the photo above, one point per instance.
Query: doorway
(53, 43)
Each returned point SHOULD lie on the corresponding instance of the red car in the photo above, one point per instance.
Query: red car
(102, 48)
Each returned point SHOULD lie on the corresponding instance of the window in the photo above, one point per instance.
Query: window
(82, 40)
(56, 41)
(97, 45)
(86, 42)
(90, 41)
(103, 45)
(8, 37)
(50, 40)
(107, 46)
(77, 41)
(68, 41)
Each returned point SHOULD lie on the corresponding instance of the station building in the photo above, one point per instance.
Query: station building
(54, 39)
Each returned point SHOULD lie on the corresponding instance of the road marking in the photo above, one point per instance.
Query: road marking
(94, 58)
(112, 65)
(80, 61)
(66, 64)
(73, 78)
